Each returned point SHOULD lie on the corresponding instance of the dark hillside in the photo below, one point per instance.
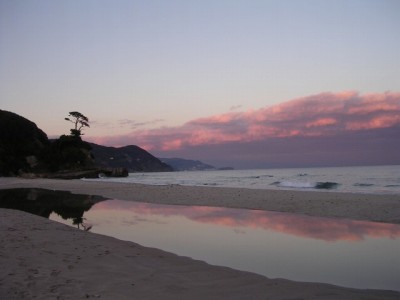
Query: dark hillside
(21, 144)
(133, 158)
(25, 150)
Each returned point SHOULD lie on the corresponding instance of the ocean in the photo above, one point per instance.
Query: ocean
(365, 179)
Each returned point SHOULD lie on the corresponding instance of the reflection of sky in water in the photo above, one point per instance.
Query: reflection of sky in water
(278, 245)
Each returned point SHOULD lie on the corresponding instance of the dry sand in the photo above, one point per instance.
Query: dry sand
(42, 259)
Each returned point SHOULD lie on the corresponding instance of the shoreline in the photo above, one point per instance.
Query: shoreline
(365, 207)
(43, 259)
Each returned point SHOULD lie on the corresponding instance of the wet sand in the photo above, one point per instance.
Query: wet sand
(43, 259)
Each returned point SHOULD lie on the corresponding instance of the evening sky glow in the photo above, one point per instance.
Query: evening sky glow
(195, 78)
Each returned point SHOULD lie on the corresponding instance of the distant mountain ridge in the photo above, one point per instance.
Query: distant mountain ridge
(133, 158)
(180, 164)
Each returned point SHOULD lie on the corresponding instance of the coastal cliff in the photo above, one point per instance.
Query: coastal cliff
(25, 150)
(22, 144)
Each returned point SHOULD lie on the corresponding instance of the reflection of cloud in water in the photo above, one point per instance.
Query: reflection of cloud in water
(239, 231)
(135, 220)
(305, 226)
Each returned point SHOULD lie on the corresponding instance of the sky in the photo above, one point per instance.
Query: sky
(246, 84)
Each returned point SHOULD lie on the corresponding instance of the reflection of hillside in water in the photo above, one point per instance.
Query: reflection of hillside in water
(43, 202)
(326, 229)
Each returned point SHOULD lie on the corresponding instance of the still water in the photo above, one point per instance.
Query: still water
(278, 245)
(348, 253)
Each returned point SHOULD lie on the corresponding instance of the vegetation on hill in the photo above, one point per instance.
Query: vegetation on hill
(79, 120)
(69, 153)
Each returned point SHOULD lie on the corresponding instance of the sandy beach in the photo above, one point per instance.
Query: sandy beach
(42, 259)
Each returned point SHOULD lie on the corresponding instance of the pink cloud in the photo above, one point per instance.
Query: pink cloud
(321, 122)
(323, 114)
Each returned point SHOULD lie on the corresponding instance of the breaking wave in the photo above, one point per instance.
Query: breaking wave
(392, 185)
(363, 184)
(327, 185)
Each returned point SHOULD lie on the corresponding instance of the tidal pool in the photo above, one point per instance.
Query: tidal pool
(343, 252)
(278, 245)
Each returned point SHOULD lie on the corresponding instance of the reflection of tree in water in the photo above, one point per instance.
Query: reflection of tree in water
(43, 202)
(79, 221)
